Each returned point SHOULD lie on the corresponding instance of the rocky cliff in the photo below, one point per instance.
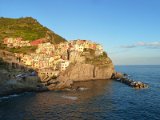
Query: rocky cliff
(82, 72)
(92, 67)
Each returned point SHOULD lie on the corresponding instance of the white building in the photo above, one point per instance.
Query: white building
(79, 48)
(64, 64)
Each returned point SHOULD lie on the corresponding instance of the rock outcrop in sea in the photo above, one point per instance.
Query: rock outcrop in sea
(81, 72)
(124, 78)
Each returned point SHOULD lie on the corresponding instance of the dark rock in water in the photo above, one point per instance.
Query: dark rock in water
(117, 75)
(121, 78)
(124, 74)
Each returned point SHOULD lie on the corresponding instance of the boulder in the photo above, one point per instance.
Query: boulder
(117, 75)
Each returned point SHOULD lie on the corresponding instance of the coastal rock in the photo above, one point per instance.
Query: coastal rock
(21, 85)
(82, 72)
(130, 82)
(117, 75)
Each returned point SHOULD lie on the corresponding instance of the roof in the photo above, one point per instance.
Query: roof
(37, 42)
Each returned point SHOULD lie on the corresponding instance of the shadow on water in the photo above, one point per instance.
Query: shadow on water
(81, 104)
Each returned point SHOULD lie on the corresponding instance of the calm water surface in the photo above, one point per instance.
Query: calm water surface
(103, 100)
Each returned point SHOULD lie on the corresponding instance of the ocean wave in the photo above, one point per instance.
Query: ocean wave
(13, 96)
(9, 96)
(70, 97)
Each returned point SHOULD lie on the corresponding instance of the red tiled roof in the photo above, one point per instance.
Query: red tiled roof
(36, 42)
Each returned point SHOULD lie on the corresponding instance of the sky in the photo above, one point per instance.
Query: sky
(129, 30)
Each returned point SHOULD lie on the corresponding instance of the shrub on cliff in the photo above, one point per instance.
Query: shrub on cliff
(102, 60)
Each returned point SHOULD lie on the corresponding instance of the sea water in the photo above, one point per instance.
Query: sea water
(99, 100)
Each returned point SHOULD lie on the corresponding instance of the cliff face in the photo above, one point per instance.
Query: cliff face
(82, 72)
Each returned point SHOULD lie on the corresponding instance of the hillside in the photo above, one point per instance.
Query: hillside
(26, 28)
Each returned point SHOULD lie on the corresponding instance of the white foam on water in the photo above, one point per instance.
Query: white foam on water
(10, 96)
(70, 97)
(83, 89)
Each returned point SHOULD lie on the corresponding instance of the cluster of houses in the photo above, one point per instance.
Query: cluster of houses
(52, 57)
(16, 42)
(46, 48)
(19, 42)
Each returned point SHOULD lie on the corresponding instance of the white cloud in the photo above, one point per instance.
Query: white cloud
(153, 45)
(128, 46)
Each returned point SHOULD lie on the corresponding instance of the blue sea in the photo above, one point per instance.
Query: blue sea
(100, 100)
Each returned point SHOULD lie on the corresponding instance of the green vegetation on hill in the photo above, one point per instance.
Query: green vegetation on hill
(102, 60)
(27, 28)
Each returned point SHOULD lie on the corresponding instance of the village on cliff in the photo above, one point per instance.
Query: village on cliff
(51, 59)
